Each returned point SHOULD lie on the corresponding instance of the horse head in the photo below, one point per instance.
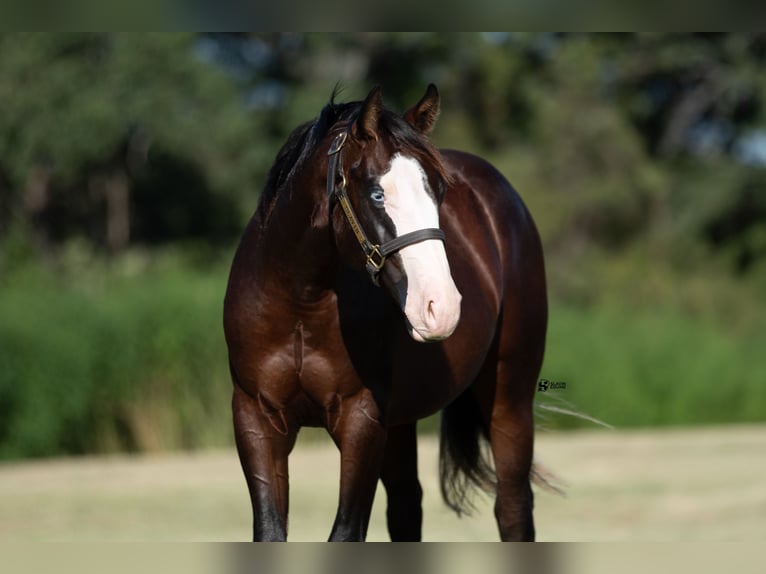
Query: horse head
(389, 182)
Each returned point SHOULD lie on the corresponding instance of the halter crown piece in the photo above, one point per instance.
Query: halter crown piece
(375, 254)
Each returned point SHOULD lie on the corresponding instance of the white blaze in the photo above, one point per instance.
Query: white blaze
(432, 306)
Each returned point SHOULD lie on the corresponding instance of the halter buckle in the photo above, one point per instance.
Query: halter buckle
(337, 143)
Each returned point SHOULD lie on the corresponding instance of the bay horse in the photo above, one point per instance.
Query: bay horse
(380, 281)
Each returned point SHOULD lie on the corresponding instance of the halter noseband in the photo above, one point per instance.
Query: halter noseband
(376, 254)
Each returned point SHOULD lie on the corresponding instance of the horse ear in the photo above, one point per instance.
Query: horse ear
(366, 125)
(422, 116)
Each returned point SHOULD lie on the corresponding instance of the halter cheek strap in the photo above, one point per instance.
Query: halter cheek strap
(375, 254)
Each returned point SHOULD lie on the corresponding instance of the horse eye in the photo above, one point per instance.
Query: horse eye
(377, 195)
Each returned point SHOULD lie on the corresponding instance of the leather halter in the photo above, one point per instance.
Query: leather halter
(376, 254)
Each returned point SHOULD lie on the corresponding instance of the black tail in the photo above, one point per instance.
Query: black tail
(464, 462)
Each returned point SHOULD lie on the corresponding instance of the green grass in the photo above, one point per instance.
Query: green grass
(112, 362)
(643, 368)
(131, 357)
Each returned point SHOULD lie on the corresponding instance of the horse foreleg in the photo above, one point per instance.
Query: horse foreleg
(263, 450)
(400, 478)
(361, 438)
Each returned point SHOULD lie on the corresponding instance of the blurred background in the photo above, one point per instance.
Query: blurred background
(130, 164)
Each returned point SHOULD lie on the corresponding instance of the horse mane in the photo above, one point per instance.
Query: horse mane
(293, 154)
(303, 141)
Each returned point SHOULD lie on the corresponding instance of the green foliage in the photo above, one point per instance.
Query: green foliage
(100, 361)
(132, 358)
(84, 113)
(630, 150)
(647, 368)
(70, 99)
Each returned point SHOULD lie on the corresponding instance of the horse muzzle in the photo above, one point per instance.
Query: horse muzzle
(432, 307)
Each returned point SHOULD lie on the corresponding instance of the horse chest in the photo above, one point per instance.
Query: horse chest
(298, 355)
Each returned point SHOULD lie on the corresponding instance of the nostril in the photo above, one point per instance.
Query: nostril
(431, 312)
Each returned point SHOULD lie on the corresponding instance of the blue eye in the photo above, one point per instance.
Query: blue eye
(378, 196)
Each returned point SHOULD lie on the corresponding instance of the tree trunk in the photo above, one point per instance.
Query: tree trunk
(117, 194)
(36, 190)
(35, 204)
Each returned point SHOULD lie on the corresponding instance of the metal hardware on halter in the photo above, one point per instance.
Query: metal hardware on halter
(337, 143)
(371, 263)
(375, 254)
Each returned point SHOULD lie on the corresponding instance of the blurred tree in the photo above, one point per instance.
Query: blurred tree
(86, 115)
(152, 138)
(699, 103)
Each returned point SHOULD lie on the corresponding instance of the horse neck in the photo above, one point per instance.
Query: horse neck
(297, 242)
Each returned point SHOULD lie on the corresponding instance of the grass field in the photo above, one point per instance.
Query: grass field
(701, 484)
